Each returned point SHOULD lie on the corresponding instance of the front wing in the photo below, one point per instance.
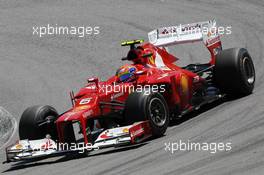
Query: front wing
(44, 148)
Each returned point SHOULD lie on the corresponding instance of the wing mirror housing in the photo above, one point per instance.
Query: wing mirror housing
(94, 80)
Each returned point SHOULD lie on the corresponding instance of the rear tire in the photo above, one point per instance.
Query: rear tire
(234, 72)
(142, 106)
(29, 127)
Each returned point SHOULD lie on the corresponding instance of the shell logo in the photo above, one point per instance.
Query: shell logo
(125, 130)
(184, 85)
(79, 108)
(151, 60)
(19, 146)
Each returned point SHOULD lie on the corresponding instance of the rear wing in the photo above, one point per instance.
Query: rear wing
(201, 31)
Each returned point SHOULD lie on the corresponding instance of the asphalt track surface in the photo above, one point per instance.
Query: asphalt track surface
(37, 70)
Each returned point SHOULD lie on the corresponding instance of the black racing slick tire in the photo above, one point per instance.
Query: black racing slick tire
(142, 106)
(234, 72)
(38, 121)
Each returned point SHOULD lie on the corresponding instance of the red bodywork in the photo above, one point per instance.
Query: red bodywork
(92, 101)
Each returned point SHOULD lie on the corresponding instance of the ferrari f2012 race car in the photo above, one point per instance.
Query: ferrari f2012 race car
(139, 101)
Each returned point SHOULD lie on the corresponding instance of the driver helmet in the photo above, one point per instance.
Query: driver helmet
(126, 73)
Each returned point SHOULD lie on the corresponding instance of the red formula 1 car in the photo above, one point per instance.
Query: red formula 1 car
(140, 99)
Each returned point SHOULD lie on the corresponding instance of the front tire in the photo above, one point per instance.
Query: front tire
(234, 71)
(30, 126)
(142, 106)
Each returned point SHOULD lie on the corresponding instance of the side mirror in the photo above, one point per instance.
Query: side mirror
(93, 80)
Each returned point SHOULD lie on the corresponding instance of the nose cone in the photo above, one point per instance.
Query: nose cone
(76, 113)
(69, 116)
